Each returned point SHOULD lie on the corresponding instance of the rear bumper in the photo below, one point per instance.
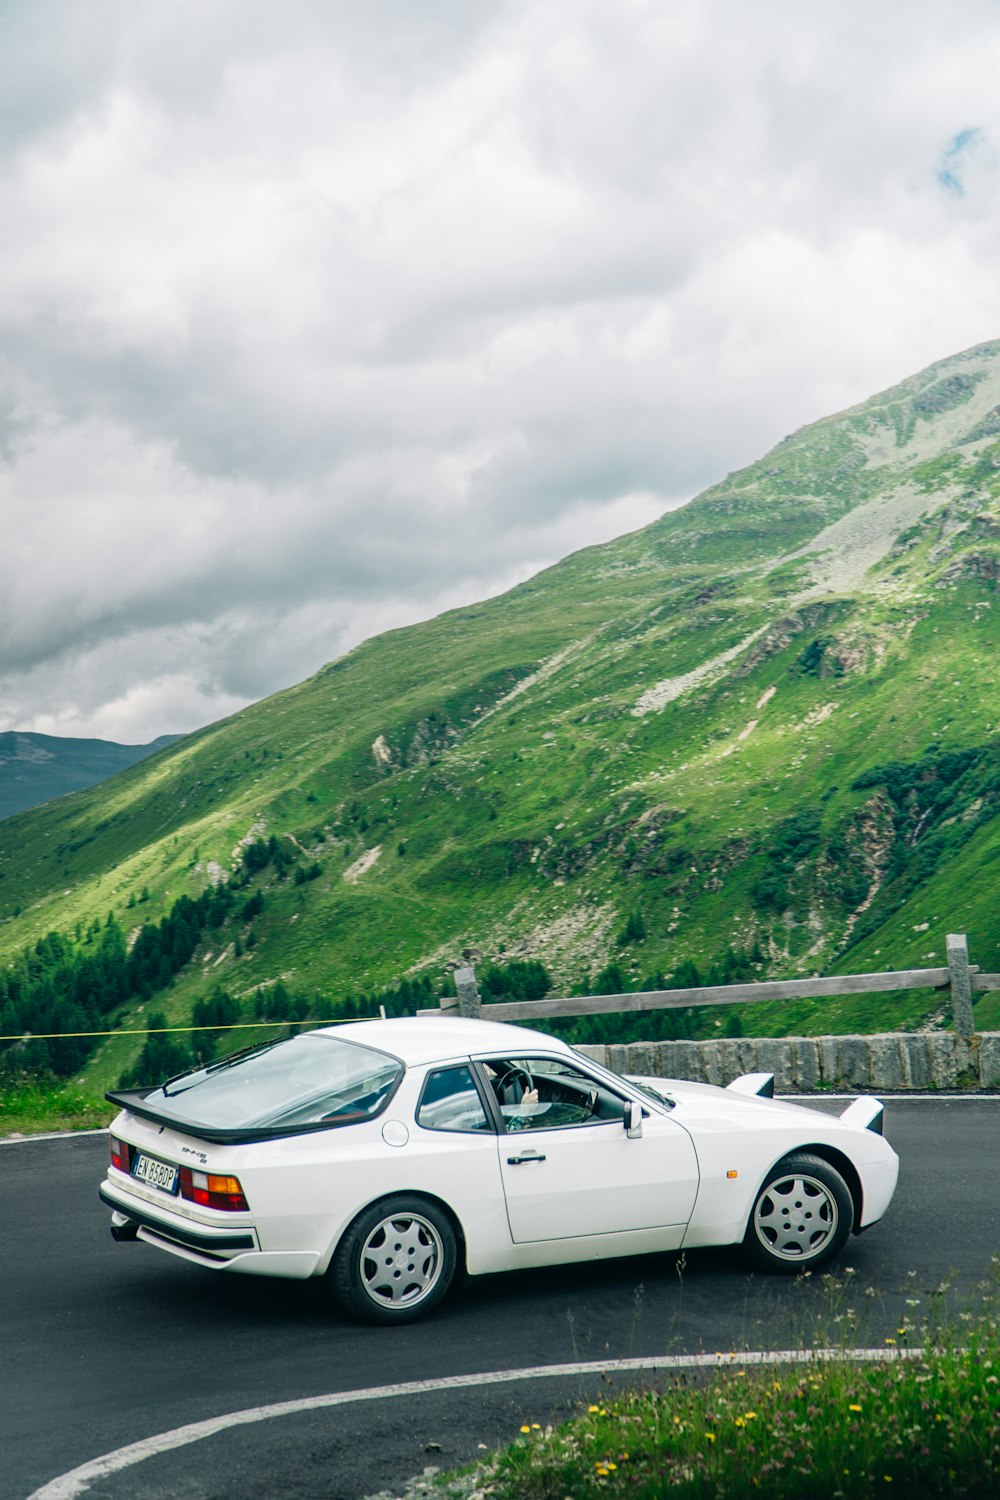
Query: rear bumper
(202, 1238)
(217, 1249)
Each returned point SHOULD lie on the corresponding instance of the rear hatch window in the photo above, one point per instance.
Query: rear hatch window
(307, 1082)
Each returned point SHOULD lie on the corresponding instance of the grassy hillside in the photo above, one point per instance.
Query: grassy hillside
(768, 722)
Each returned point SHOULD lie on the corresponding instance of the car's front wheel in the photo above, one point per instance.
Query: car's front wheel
(802, 1215)
(396, 1261)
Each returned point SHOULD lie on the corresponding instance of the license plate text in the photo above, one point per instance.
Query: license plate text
(158, 1174)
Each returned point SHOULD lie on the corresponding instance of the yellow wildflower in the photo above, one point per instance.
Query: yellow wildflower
(854, 1407)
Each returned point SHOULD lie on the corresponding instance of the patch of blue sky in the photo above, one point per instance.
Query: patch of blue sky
(957, 151)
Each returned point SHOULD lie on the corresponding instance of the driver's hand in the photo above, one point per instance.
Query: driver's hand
(530, 1096)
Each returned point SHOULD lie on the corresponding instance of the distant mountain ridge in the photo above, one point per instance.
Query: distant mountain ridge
(766, 725)
(34, 768)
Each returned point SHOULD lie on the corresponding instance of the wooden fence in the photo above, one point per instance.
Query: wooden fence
(959, 976)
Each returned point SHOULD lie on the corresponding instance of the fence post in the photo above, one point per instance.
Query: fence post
(961, 984)
(469, 1003)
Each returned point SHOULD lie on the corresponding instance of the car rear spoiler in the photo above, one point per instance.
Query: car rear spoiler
(866, 1113)
(759, 1084)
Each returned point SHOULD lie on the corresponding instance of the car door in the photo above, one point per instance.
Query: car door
(584, 1175)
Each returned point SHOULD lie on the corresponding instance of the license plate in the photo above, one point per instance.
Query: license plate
(158, 1174)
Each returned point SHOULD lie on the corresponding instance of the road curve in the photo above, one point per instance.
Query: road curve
(105, 1345)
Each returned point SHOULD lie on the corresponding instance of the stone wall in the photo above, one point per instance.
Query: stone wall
(893, 1062)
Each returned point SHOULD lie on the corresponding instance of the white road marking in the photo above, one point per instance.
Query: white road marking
(53, 1135)
(68, 1486)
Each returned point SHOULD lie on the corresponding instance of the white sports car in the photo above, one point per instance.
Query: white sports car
(384, 1154)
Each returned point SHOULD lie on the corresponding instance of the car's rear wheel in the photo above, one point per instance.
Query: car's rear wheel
(396, 1261)
(802, 1215)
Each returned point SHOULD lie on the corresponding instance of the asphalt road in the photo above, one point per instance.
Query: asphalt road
(103, 1344)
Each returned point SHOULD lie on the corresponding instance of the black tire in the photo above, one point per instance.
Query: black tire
(396, 1261)
(801, 1217)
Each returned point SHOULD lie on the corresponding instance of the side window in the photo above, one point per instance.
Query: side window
(450, 1101)
(543, 1093)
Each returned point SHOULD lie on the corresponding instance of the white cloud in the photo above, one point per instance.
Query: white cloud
(316, 319)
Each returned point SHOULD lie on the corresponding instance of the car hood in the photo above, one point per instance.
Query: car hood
(706, 1102)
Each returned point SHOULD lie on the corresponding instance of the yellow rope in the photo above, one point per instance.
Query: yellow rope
(49, 1036)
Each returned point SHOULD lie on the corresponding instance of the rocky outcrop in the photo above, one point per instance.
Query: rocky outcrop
(984, 566)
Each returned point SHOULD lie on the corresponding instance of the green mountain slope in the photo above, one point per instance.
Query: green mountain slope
(769, 722)
(35, 768)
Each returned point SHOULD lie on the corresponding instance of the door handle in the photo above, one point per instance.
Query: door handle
(518, 1161)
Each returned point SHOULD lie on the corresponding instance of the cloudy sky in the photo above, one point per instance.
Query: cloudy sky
(319, 317)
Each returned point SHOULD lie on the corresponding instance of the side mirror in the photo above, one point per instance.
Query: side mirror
(633, 1119)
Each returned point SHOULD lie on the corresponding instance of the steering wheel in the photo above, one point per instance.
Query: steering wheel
(514, 1076)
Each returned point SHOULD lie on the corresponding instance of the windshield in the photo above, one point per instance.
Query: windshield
(307, 1080)
(651, 1092)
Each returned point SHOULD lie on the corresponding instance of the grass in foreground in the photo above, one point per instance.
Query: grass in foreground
(32, 1108)
(926, 1422)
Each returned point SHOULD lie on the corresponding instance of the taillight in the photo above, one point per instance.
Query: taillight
(213, 1191)
(121, 1154)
